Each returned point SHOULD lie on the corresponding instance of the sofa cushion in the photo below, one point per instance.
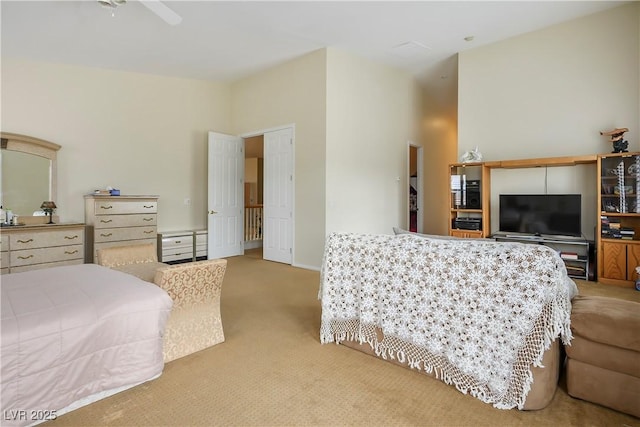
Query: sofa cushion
(607, 320)
(602, 386)
(606, 356)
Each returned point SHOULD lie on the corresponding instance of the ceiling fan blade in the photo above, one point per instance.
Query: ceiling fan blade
(163, 11)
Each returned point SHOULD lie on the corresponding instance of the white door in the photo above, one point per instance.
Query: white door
(277, 242)
(225, 196)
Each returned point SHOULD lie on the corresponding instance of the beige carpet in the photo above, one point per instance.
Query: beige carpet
(273, 371)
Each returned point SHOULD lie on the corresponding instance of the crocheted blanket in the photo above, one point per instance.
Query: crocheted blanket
(476, 314)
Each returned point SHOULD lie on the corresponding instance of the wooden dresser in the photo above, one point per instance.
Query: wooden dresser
(40, 246)
(119, 221)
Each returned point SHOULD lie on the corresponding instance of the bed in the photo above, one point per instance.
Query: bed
(74, 334)
(483, 316)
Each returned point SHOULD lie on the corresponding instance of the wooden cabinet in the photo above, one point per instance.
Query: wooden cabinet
(466, 234)
(34, 247)
(619, 261)
(618, 231)
(469, 203)
(119, 221)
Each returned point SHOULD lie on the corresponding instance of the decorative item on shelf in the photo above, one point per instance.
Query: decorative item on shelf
(617, 139)
(634, 170)
(8, 216)
(626, 189)
(622, 190)
(48, 207)
(471, 156)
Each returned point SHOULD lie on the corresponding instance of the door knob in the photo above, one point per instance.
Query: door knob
(213, 212)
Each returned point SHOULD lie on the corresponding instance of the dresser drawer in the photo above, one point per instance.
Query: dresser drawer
(111, 207)
(201, 238)
(177, 255)
(177, 242)
(132, 220)
(4, 243)
(201, 243)
(119, 234)
(45, 265)
(44, 255)
(42, 239)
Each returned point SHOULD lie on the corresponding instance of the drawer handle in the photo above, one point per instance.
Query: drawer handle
(147, 207)
(106, 221)
(178, 241)
(71, 237)
(106, 207)
(25, 257)
(25, 241)
(106, 235)
(147, 219)
(148, 232)
(71, 253)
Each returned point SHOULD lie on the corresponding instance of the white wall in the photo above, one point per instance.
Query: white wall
(549, 93)
(140, 133)
(293, 93)
(371, 110)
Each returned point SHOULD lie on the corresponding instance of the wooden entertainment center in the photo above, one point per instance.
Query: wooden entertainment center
(617, 234)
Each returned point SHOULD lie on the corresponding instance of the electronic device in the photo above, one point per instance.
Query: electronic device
(559, 214)
(466, 223)
(473, 200)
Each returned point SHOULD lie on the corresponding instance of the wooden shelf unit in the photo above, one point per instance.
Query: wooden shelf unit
(614, 254)
(618, 203)
(543, 162)
(469, 201)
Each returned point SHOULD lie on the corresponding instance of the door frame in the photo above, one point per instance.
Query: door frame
(291, 126)
(419, 183)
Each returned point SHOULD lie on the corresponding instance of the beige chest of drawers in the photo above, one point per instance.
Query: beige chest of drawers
(34, 247)
(119, 221)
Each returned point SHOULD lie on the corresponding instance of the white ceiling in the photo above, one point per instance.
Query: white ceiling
(228, 40)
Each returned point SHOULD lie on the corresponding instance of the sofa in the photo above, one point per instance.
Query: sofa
(486, 317)
(195, 288)
(603, 360)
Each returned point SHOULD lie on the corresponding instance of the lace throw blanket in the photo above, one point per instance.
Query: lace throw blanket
(476, 314)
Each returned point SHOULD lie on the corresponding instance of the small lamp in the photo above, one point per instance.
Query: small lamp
(48, 207)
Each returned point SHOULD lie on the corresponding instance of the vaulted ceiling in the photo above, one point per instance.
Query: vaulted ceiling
(229, 40)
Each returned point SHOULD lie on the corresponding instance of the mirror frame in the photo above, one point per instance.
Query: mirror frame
(38, 147)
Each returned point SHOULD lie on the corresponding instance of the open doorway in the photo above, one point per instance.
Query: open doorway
(253, 192)
(271, 182)
(415, 195)
(269, 215)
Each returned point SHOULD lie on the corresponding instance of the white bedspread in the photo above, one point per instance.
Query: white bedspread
(74, 331)
(478, 314)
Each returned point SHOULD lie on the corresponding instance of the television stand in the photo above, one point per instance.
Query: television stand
(574, 251)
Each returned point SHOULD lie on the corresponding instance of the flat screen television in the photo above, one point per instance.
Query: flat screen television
(558, 214)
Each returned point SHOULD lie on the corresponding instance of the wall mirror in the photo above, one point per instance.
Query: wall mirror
(28, 172)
